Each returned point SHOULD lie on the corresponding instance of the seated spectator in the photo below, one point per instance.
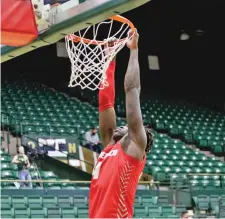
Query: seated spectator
(92, 140)
(186, 215)
(23, 164)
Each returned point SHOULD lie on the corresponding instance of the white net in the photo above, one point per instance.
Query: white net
(89, 62)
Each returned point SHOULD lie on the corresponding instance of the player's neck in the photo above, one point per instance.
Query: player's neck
(112, 142)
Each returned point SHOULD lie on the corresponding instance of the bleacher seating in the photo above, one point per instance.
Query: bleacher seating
(196, 125)
(44, 111)
(171, 157)
(66, 206)
(210, 203)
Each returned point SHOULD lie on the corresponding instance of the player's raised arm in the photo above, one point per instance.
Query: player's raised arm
(136, 131)
(107, 116)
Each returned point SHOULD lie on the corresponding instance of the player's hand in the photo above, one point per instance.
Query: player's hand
(108, 46)
(132, 43)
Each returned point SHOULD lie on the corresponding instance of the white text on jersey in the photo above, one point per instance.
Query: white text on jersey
(110, 154)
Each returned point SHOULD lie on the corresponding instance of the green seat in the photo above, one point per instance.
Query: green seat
(8, 185)
(48, 175)
(188, 137)
(167, 211)
(7, 174)
(37, 212)
(72, 130)
(53, 212)
(28, 129)
(223, 182)
(83, 212)
(148, 200)
(7, 212)
(65, 201)
(137, 201)
(19, 201)
(179, 209)
(217, 148)
(158, 174)
(203, 202)
(68, 212)
(34, 201)
(6, 159)
(155, 211)
(141, 211)
(34, 174)
(159, 125)
(52, 185)
(62, 131)
(6, 201)
(6, 166)
(42, 130)
(80, 201)
(214, 201)
(162, 200)
(49, 201)
(14, 167)
(21, 212)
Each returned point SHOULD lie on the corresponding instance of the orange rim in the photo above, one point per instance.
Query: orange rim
(118, 18)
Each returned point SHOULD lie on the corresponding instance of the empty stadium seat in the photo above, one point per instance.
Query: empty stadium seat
(202, 202)
(167, 211)
(214, 201)
(162, 200)
(6, 201)
(80, 201)
(65, 201)
(19, 201)
(69, 212)
(155, 211)
(53, 212)
(38, 212)
(7, 212)
(21, 212)
(34, 201)
(148, 200)
(82, 212)
(49, 201)
(141, 212)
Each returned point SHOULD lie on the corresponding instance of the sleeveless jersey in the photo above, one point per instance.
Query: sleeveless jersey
(114, 182)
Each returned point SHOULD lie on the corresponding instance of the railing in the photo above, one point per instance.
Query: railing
(44, 183)
(11, 125)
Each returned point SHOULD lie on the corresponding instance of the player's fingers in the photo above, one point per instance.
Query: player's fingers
(112, 41)
(132, 32)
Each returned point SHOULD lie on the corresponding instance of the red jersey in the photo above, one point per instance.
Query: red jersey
(114, 182)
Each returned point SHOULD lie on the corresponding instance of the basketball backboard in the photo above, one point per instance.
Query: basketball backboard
(71, 17)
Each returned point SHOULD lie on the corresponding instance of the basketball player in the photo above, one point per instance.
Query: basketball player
(117, 171)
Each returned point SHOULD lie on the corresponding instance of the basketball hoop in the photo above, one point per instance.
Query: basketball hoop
(90, 58)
